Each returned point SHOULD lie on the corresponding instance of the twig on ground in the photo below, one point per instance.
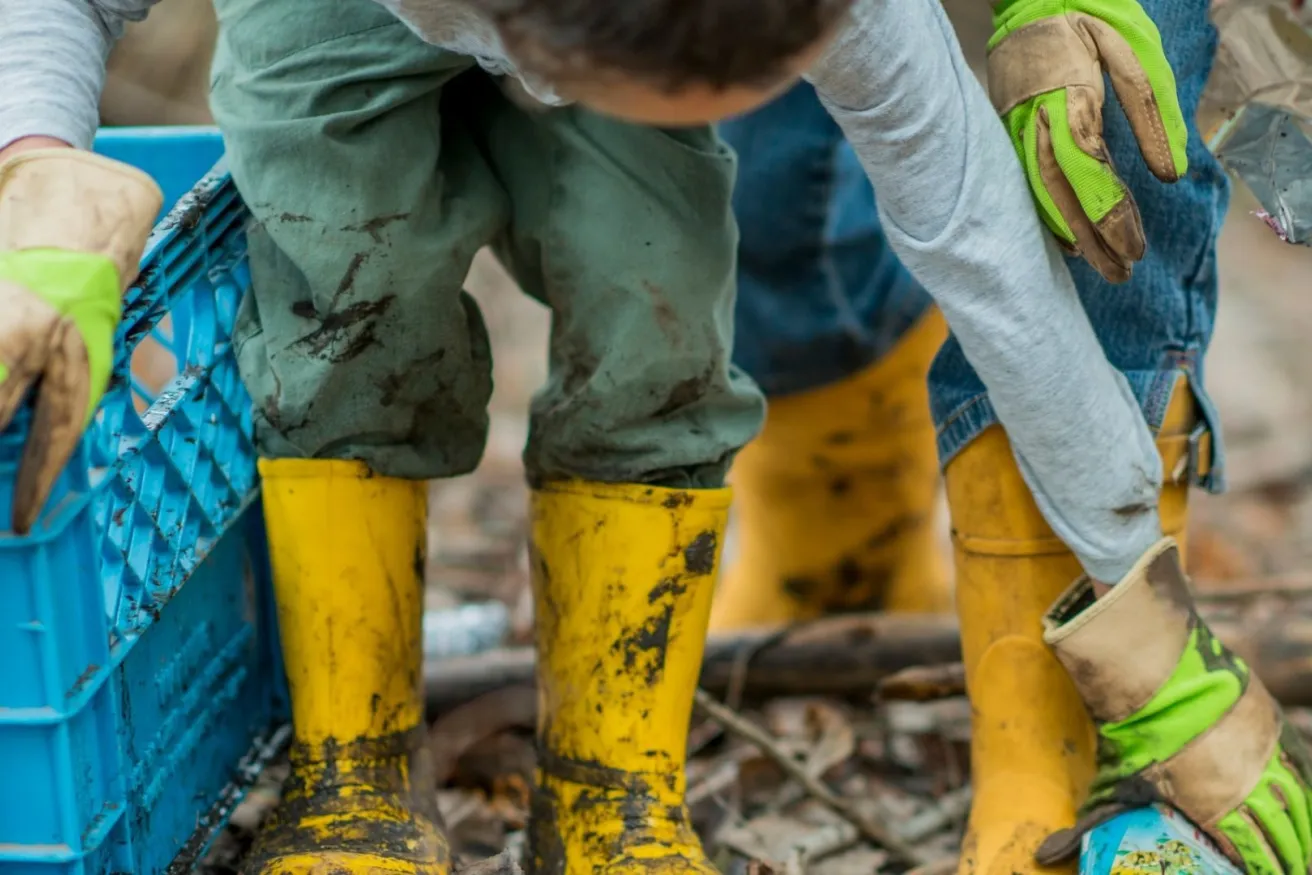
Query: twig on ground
(721, 778)
(924, 683)
(742, 659)
(849, 656)
(947, 810)
(876, 832)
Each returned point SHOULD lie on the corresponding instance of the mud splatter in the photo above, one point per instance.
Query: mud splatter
(375, 769)
(348, 278)
(896, 528)
(676, 500)
(699, 555)
(649, 644)
(687, 392)
(670, 586)
(374, 226)
(802, 589)
(342, 326)
(667, 320)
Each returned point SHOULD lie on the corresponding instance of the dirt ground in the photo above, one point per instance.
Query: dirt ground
(902, 763)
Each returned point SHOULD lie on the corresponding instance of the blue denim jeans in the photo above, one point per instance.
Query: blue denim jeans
(820, 294)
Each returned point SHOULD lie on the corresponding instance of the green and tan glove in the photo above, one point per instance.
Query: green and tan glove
(72, 229)
(1045, 69)
(1180, 720)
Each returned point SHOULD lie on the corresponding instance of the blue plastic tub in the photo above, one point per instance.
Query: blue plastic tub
(140, 691)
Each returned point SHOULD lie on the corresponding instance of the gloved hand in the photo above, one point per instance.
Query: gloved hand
(1045, 70)
(1180, 720)
(72, 229)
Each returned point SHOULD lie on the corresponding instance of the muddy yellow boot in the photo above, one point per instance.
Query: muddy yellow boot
(622, 582)
(835, 499)
(347, 549)
(1032, 742)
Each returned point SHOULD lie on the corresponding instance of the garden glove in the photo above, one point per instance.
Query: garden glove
(1181, 720)
(1045, 69)
(72, 229)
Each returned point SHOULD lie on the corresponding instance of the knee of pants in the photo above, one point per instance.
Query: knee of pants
(641, 388)
(393, 377)
(675, 423)
(369, 203)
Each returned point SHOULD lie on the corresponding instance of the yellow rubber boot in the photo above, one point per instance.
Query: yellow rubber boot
(1032, 742)
(347, 549)
(835, 499)
(622, 583)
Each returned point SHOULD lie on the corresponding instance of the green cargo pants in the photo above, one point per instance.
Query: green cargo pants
(376, 165)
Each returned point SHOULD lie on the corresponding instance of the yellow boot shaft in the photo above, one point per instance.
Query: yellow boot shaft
(835, 500)
(622, 582)
(347, 550)
(1032, 742)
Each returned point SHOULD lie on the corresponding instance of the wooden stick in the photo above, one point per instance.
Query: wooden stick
(837, 656)
(745, 729)
(924, 683)
(849, 656)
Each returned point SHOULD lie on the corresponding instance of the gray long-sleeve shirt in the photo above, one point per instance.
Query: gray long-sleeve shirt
(952, 197)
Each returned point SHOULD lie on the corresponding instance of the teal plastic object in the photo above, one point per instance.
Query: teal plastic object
(1151, 841)
(141, 693)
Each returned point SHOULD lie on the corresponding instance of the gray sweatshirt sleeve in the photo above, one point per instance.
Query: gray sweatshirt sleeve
(958, 212)
(52, 64)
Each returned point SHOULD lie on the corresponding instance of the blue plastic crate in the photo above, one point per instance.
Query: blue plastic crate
(141, 691)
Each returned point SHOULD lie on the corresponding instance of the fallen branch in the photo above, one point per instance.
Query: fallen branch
(836, 656)
(850, 656)
(948, 809)
(757, 736)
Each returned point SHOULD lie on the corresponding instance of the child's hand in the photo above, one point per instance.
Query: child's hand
(1046, 64)
(72, 230)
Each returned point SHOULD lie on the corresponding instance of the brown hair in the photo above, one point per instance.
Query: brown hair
(669, 44)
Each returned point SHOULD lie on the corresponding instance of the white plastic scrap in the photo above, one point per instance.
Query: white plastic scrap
(466, 630)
